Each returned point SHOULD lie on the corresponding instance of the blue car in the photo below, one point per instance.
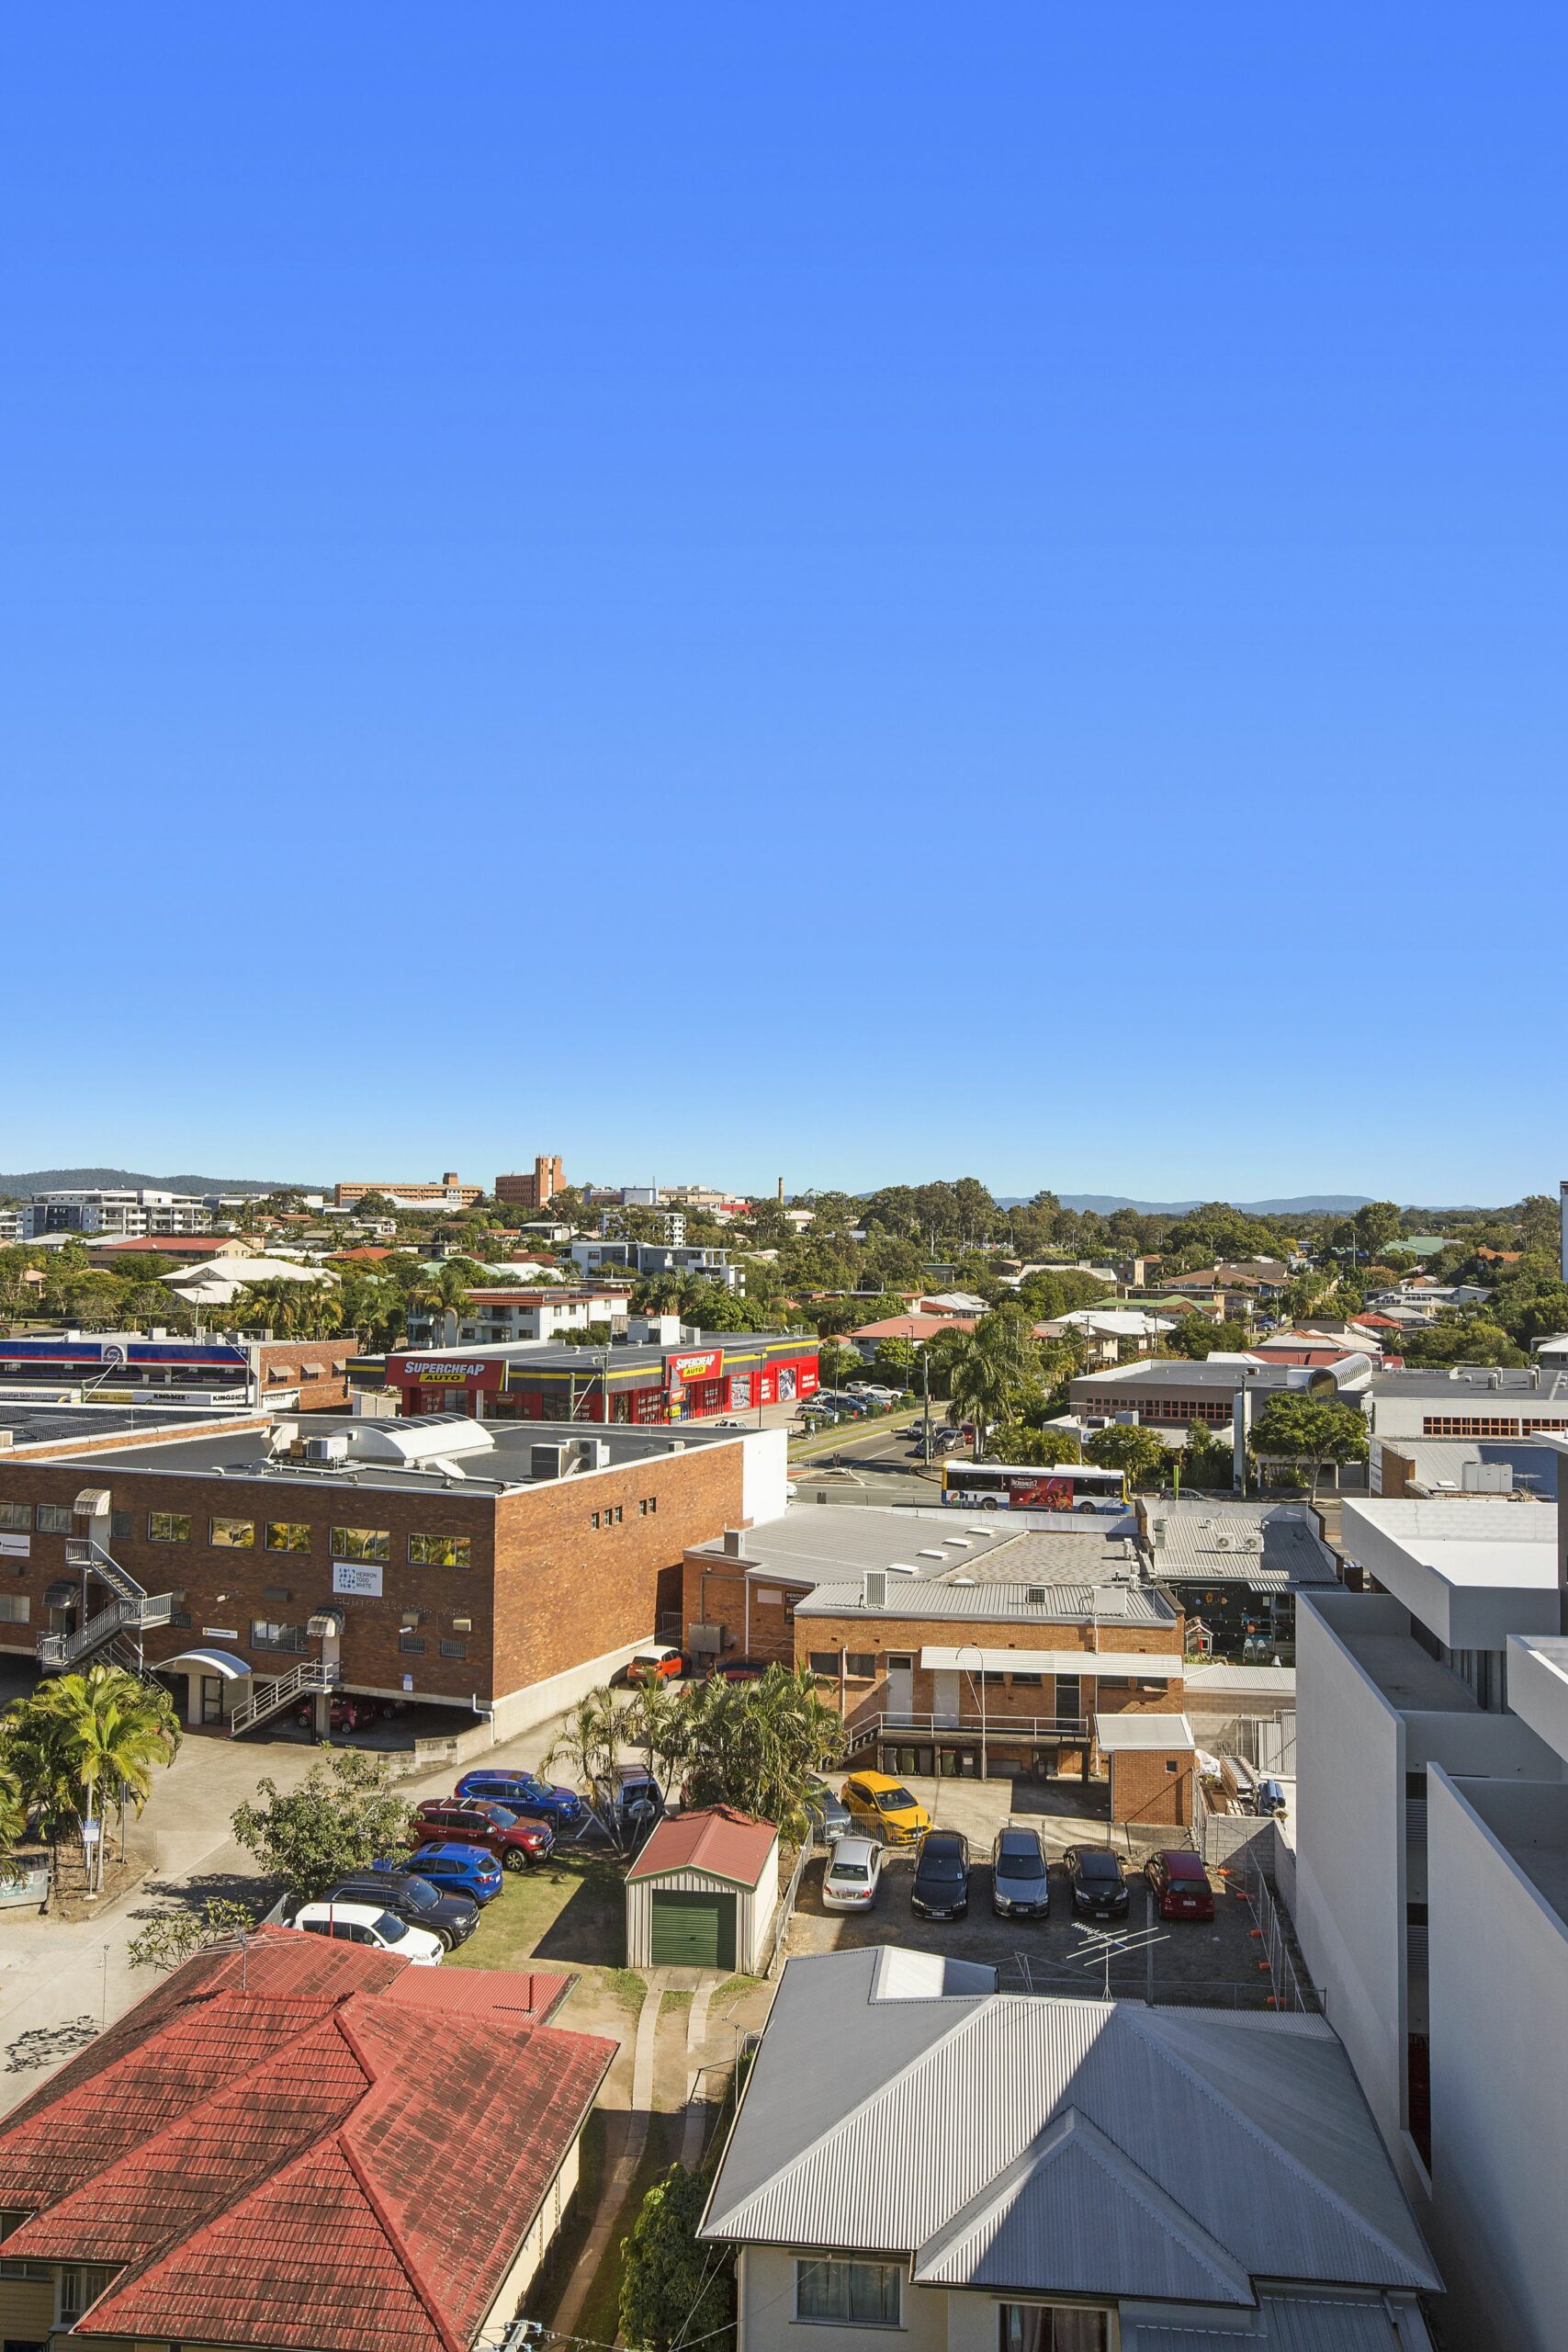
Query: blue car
(450, 1869)
(562, 1808)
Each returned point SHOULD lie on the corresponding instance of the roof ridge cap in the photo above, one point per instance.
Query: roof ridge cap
(389, 2228)
(1294, 2164)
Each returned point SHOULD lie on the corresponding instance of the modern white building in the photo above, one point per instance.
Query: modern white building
(1472, 1401)
(1432, 1879)
(654, 1258)
(515, 1314)
(128, 1212)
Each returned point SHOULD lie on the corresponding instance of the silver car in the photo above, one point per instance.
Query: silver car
(853, 1875)
(1021, 1882)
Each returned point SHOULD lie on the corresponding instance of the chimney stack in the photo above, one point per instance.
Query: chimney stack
(1564, 1215)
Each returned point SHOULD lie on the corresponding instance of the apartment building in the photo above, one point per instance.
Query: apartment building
(650, 1258)
(127, 1212)
(1429, 1770)
(501, 1570)
(984, 2172)
(262, 2152)
(508, 1315)
(534, 1192)
(448, 1194)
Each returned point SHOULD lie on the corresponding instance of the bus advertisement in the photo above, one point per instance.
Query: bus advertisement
(998, 1486)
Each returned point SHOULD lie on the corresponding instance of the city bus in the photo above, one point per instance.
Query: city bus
(998, 1486)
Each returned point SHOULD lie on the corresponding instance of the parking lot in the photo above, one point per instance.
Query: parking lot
(1210, 1962)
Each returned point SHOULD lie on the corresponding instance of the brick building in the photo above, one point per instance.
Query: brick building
(534, 1192)
(121, 1367)
(448, 1194)
(502, 1571)
(955, 1652)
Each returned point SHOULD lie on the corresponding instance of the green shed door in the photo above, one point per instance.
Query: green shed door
(692, 1930)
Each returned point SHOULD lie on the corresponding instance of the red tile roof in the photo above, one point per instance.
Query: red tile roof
(266, 2149)
(913, 1326)
(730, 1845)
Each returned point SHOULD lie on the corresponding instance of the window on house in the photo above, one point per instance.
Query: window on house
(362, 1544)
(861, 1666)
(272, 1634)
(1053, 2327)
(825, 1662)
(594, 1519)
(119, 1525)
(55, 1519)
(848, 2294)
(1026, 1682)
(16, 1518)
(80, 2284)
(232, 1534)
(287, 1535)
(168, 1527)
(453, 1648)
(440, 1551)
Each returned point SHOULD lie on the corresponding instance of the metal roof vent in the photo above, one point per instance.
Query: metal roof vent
(873, 1588)
(1036, 1596)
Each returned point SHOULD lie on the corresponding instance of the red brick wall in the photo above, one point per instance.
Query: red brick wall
(1146, 1792)
(861, 1632)
(329, 1392)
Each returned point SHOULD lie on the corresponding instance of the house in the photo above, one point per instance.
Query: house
(703, 1892)
(218, 1281)
(997, 2173)
(919, 1329)
(262, 2153)
(1113, 1334)
(513, 1312)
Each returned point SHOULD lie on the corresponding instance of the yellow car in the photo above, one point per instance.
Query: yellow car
(885, 1808)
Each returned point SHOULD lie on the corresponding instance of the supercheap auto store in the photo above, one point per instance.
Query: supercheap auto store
(736, 1373)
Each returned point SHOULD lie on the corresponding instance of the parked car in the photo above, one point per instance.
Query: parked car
(655, 1664)
(451, 1869)
(361, 1923)
(944, 1437)
(1020, 1879)
(853, 1879)
(345, 1713)
(885, 1808)
(409, 1897)
(517, 1845)
(739, 1670)
(829, 1813)
(940, 1889)
(526, 1792)
(1094, 1873)
(637, 1799)
(1181, 1884)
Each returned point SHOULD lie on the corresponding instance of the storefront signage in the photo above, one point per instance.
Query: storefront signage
(450, 1372)
(15, 1547)
(680, 1370)
(361, 1578)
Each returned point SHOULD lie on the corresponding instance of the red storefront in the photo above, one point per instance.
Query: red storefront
(737, 1375)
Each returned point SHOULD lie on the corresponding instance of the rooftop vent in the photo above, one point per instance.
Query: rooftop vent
(732, 1542)
(1036, 1595)
(873, 1588)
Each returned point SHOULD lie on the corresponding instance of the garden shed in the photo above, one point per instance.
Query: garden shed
(703, 1892)
(1152, 1763)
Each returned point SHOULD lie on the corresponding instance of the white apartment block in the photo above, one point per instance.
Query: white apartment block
(124, 1213)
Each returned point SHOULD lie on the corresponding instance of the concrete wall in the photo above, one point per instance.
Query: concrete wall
(1499, 1992)
(1350, 1852)
(764, 1475)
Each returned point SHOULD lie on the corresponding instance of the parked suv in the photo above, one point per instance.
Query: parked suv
(517, 1845)
(941, 1890)
(450, 1869)
(451, 1916)
(526, 1792)
(362, 1923)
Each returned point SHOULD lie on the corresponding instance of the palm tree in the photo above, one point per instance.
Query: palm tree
(100, 1731)
(991, 1370)
(589, 1745)
(446, 1292)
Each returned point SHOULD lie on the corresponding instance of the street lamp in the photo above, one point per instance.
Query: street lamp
(980, 1655)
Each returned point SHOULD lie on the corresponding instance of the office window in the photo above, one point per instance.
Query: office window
(848, 2294)
(232, 1534)
(1026, 1682)
(362, 1544)
(16, 1518)
(55, 1519)
(440, 1551)
(412, 1645)
(594, 1519)
(452, 1648)
(861, 1666)
(15, 1607)
(1053, 2327)
(119, 1525)
(271, 1634)
(168, 1527)
(287, 1535)
(824, 1662)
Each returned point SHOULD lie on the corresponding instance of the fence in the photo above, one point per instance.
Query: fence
(784, 1910)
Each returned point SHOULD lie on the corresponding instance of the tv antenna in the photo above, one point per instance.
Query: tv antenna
(1105, 1944)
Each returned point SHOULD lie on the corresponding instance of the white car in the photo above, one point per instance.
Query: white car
(852, 1876)
(362, 1923)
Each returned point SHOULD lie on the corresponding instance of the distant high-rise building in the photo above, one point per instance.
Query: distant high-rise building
(534, 1192)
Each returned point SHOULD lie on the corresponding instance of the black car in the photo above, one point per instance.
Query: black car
(941, 1890)
(1094, 1873)
(453, 1917)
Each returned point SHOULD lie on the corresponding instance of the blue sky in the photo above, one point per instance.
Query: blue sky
(852, 593)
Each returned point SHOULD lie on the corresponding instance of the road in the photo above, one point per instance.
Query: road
(879, 1465)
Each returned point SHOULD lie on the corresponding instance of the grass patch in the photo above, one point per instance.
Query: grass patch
(629, 1987)
(675, 2001)
(733, 1987)
(572, 1909)
(600, 2318)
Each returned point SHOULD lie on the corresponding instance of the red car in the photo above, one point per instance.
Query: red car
(517, 1844)
(1181, 1884)
(652, 1666)
(739, 1670)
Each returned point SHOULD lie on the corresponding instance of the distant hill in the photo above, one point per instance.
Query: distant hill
(1303, 1205)
(88, 1179)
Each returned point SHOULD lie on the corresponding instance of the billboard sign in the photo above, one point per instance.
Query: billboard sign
(450, 1372)
(681, 1370)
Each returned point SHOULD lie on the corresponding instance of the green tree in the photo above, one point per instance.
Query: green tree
(990, 1372)
(1376, 1223)
(1456, 1339)
(1297, 1427)
(1205, 1460)
(1016, 1441)
(1196, 1337)
(169, 1944)
(86, 1741)
(835, 1365)
(673, 2289)
(1126, 1446)
(758, 1746)
(342, 1815)
(445, 1294)
(589, 1744)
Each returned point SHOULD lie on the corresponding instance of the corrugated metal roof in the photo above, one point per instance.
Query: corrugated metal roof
(1278, 1681)
(996, 1601)
(1151, 1666)
(1121, 1735)
(1250, 2126)
(725, 1844)
(1289, 2323)
(1269, 1545)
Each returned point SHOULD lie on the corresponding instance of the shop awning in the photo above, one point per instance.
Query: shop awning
(323, 1621)
(61, 1593)
(219, 1662)
(1145, 1666)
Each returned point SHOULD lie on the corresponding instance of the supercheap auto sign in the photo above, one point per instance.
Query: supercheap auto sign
(707, 1365)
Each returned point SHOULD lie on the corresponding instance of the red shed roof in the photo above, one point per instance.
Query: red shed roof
(730, 1845)
(264, 2150)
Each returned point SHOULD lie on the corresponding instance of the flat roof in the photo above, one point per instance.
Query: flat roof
(1472, 1381)
(1273, 1546)
(624, 1354)
(1171, 1372)
(1129, 1733)
(1408, 1676)
(50, 1424)
(822, 1544)
(1491, 1541)
(996, 1602)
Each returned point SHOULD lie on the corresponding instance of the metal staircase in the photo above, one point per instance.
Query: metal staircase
(306, 1680)
(117, 1629)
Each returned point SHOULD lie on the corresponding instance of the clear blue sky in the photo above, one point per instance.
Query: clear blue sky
(564, 568)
